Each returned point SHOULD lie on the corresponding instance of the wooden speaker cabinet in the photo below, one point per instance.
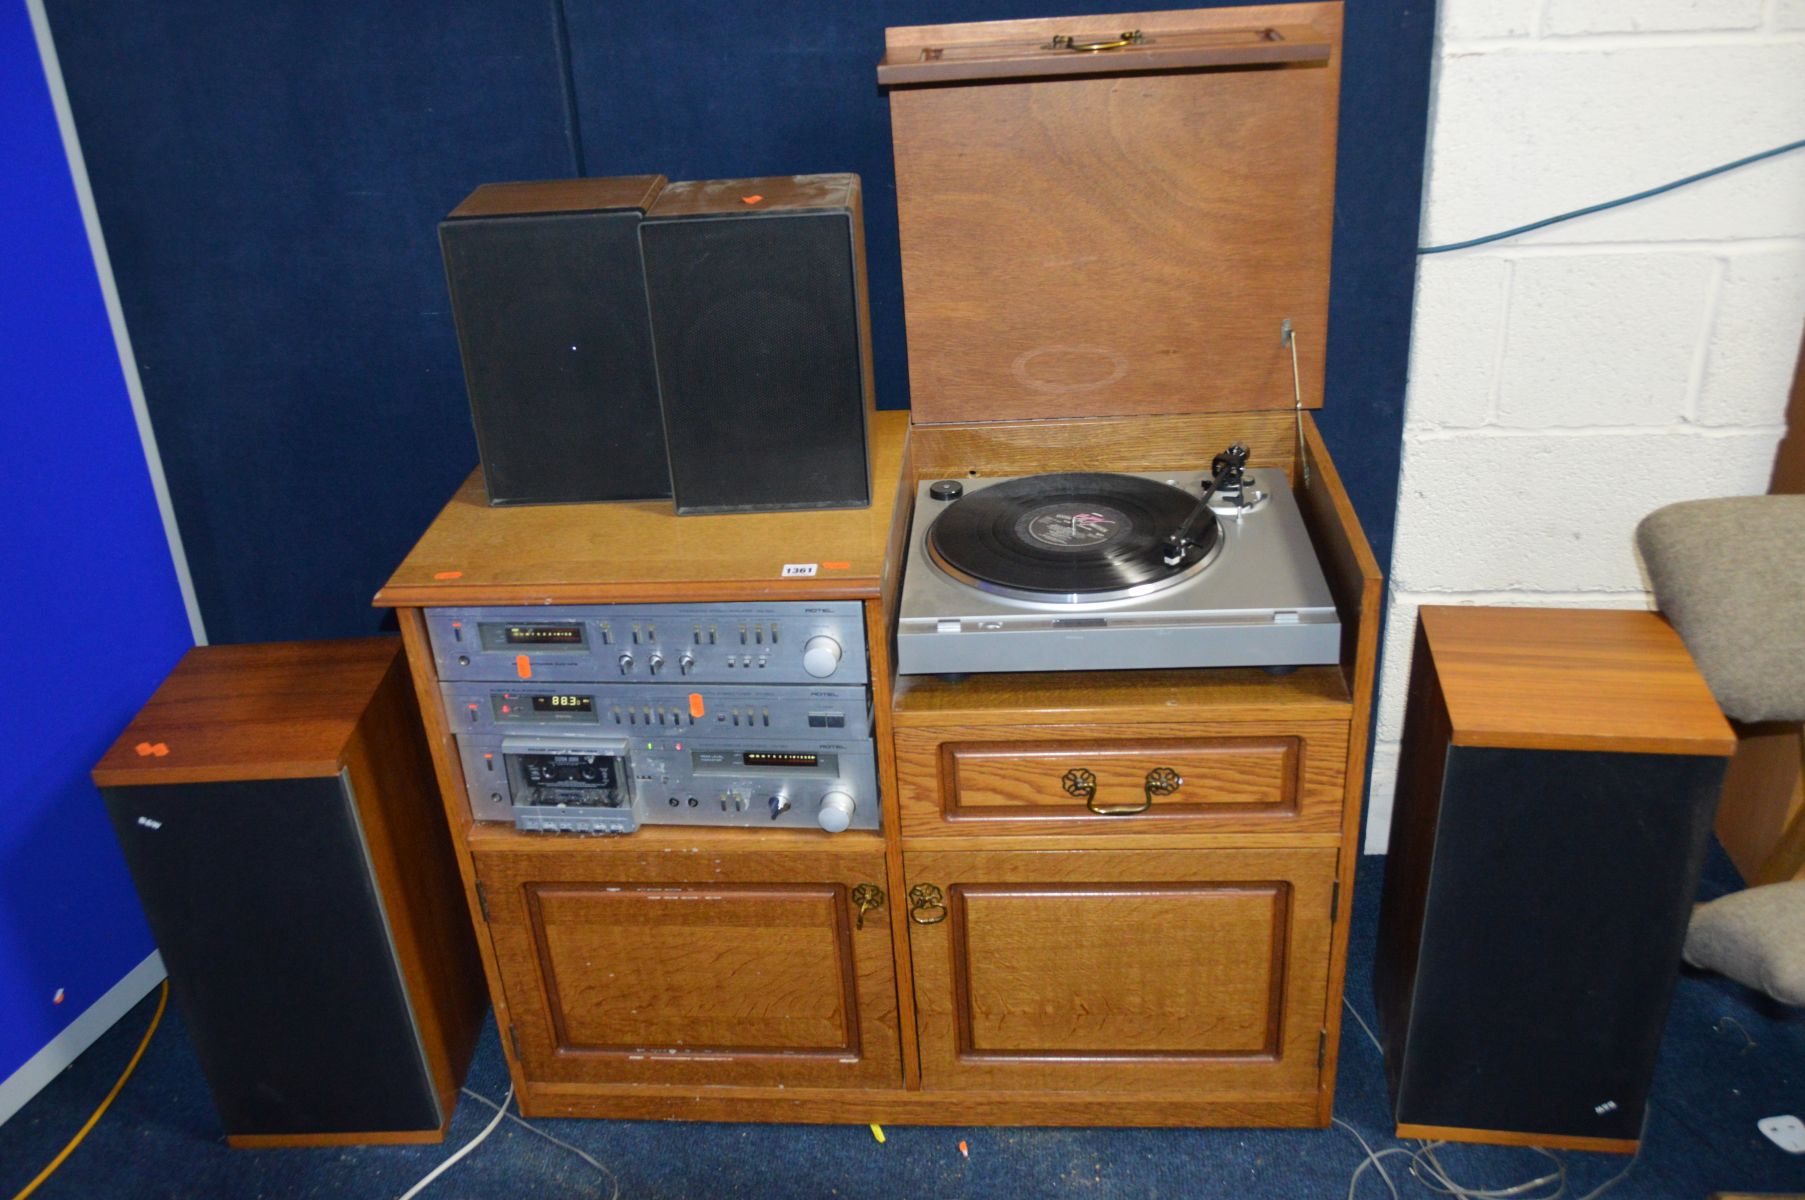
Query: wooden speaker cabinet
(1558, 776)
(277, 811)
(996, 952)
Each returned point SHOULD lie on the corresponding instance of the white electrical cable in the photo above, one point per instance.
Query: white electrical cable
(1429, 1172)
(1372, 1160)
(467, 1147)
(560, 1142)
(1370, 1035)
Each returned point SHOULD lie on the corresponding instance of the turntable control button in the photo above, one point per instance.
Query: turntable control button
(821, 656)
(946, 489)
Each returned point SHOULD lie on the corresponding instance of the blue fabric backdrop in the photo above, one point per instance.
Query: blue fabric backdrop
(270, 175)
(91, 604)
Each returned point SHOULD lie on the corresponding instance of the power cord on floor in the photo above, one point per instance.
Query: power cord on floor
(1618, 202)
(556, 1141)
(466, 1148)
(501, 1113)
(50, 1169)
(1428, 1171)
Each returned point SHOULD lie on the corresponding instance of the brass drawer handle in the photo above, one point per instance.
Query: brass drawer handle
(866, 896)
(1080, 782)
(927, 905)
(1161, 781)
(1065, 41)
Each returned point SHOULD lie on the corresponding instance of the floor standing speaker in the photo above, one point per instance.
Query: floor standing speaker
(757, 288)
(278, 813)
(549, 299)
(1557, 779)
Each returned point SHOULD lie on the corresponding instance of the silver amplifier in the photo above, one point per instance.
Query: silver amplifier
(778, 643)
(606, 782)
(782, 712)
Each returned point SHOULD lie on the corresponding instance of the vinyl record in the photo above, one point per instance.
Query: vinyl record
(1073, 537)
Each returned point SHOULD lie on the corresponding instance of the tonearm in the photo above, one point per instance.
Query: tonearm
(1225, 473)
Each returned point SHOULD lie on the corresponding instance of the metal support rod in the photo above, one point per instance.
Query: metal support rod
(1288, 335)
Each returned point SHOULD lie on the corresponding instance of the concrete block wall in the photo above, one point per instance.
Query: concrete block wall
(1567, 382)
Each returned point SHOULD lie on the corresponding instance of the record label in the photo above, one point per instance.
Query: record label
(1072, 527)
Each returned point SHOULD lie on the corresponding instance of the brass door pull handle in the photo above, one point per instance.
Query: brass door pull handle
(1161, 781)
(866, 897)
(927, 905)
(1065, 41)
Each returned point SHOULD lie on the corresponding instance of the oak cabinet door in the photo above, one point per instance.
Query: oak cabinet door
(746, 968)
(1195, 971)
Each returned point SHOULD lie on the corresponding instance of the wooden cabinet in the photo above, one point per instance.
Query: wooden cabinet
(1134, 916)
(647, 966)
(1121, 971)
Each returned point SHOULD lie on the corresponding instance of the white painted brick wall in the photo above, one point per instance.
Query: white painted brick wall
(1566, 383)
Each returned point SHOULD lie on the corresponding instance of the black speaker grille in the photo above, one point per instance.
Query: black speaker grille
(756, 322)
(553, 326)
(260, 897)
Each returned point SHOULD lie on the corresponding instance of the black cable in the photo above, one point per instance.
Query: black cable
(1621, 200)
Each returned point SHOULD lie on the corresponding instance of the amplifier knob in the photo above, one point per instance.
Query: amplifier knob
(836, 812)
(654, 662)
(780, 804)
(685, 662)
(626, 663)
(821, 656)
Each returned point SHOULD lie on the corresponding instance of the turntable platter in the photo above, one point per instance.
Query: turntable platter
(1070, 537)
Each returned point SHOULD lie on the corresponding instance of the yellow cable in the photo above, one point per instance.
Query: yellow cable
(162, 1000)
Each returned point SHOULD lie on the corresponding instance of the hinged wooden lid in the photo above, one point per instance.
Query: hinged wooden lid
(1120, 230)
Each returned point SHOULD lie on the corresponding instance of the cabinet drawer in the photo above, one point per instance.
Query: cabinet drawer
(744, 968)
(1060, 779)
(1121, 970)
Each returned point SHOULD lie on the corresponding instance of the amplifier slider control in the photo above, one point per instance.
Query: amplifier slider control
(836, 812)
(780, 804)
(821, 656)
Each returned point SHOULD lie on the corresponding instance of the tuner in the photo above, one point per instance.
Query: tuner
(821, 656)
(780, 804)
(836, 811)
(626, 663)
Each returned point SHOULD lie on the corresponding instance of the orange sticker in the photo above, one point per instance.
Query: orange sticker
(695, 704)
(750, 199)
(143, 749)
(159, 749)
(836, 566)
(447, 574)
(524, 665)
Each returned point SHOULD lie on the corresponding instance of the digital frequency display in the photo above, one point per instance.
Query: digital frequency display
(767, 758)
(554, 704)
(540, 635)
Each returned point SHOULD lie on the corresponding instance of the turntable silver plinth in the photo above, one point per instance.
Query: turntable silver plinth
(991, 598)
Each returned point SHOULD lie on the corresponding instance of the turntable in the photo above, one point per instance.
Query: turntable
(1084, 571)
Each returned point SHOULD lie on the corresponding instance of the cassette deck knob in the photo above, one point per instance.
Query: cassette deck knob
(821, 656)
(835, 814)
